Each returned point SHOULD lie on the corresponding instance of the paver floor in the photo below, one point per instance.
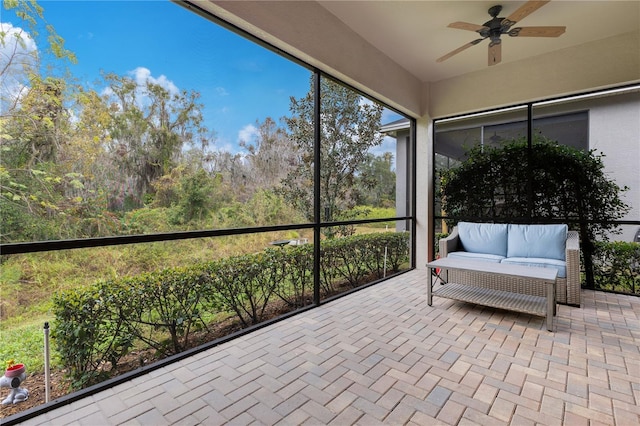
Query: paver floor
(382, 356)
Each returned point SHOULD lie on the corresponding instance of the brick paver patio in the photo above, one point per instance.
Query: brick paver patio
(382, 356)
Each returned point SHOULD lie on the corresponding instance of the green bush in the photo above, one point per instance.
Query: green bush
(96, 326)
(88, 336)
(346, 260)
(617, 266)
(165, 303)
(296, 286)
(245, 284)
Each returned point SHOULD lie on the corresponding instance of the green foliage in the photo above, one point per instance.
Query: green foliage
(366, 212)
(148, 138)
(267, 208)
(245, 284)
(376, 182)
(164, 303)
(566, 183)
(349, 129)
(356, 258)
(617, 266)
(296, 265)
(548, 182)
(31, 14)
(346, 260)
(194, 198)
(147, 220)
(88, 336)
(97, 325)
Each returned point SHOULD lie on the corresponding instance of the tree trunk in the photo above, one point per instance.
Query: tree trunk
(587, 252)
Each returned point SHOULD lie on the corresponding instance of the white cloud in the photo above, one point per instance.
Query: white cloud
(221, 91)
(15, 42)
(18, 52)
(248, 133)
(142, 75)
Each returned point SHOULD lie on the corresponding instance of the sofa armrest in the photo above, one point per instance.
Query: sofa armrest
(573, 268)
(448, 244)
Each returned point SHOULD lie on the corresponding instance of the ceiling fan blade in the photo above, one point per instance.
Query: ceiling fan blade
(525, 10)
(459, 49)
(537, 31)
(495, 53)
(466, 26)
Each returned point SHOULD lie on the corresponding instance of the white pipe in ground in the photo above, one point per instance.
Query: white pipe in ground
(46, 362)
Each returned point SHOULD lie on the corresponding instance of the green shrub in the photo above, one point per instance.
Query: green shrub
(88, 337)
(245, 284)
(354, 259)
(617, 266)
(296, 286)
(97, 325)
(161, 309)
(346, 258)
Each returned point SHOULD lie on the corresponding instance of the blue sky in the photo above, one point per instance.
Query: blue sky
(239, 81)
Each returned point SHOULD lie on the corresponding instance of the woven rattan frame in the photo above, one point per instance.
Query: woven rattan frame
(567, 289)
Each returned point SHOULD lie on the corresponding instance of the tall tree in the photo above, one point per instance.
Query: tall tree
(377, 181)
(349, 129)
(151, 125)
(270, 157)
(33, 124)
(39, 125)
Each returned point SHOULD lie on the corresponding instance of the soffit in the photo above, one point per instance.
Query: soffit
(414, 33)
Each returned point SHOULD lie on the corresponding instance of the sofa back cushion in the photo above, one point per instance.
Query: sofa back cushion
(490, 238)
(543, 241)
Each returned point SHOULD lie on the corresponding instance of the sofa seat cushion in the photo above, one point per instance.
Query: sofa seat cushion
(539, 262)
(476, 256)
(542, 241)
(488, 238)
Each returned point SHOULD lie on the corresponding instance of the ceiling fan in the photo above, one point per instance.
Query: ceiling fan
(498, 26)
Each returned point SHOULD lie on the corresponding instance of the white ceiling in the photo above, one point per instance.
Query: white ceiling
(415, 33)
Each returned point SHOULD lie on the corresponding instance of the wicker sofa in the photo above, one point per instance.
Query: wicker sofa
(549, 246)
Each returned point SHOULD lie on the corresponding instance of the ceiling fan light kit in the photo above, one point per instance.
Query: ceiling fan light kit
(497, 26)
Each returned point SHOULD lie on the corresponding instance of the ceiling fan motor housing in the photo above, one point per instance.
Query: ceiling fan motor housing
(497, 26)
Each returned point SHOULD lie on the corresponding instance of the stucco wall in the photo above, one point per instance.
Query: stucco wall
(424, 190)
(614, 130)
(598, 64)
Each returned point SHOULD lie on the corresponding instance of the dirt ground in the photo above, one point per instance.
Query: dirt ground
(36, 387)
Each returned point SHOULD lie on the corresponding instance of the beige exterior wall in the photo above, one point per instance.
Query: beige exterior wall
(614, 130)
(424, 190)
(599, 64)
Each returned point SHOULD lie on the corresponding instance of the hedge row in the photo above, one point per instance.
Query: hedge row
(616, 266)
(98, 325)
